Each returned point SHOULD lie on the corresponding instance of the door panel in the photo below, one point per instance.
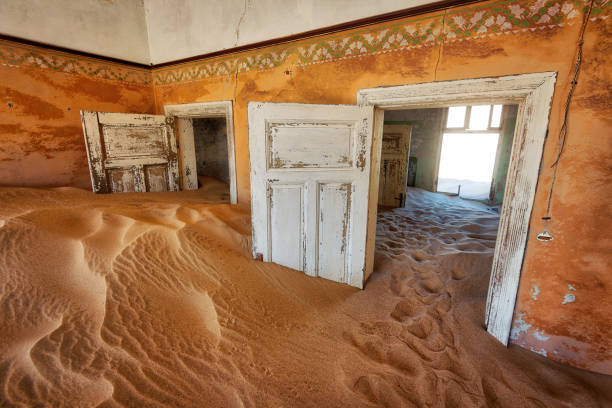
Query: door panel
(156, 178)
(286, 230)
(394, 165)
(122, 180)
(310, 169)
(334, 225)
(329, 146)
(130, 152)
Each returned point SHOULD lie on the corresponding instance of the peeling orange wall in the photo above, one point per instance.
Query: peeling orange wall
(41, 94)
(487, 40)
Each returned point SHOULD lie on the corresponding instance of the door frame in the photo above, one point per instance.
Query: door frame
(533, 94)
(217, 109)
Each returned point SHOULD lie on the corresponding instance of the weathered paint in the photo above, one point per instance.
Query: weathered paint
(130, 152)
(502, 157)
(425, 142)
(331, 70)
(535, 291)
(394, 165)
(183, 114)
(304, 214)
(486, 40)
(41, 94)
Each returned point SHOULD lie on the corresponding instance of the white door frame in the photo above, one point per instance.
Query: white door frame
(533, 94)
(209, 110)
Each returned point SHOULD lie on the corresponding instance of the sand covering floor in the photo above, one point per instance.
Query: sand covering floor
(153, 300)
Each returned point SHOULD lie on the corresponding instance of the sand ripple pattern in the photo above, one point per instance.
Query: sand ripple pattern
(154, 301)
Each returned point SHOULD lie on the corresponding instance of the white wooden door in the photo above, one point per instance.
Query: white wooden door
(130, 152)
(394, 165)
(310, 178)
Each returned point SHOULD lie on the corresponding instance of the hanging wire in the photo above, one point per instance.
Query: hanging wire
(563, 131)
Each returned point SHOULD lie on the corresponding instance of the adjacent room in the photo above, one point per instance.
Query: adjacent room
(312, 204)
(442, 178)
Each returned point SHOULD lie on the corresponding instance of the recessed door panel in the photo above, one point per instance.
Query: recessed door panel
(334, 230)
(286, 230)
(122, 180)
(329, 145)
(122, 141)
(156, 178)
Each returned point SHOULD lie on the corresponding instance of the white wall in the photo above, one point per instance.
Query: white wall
(113, 28)
(156, 31)
(184, 28)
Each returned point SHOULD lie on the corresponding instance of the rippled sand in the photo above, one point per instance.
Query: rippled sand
(153, 300)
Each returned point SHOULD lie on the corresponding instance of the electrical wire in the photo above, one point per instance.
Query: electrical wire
(563, 131)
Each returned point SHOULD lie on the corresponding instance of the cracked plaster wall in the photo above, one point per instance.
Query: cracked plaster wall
(198, 27)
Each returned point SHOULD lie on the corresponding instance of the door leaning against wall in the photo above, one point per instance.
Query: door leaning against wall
(310, 181)
(130, 152)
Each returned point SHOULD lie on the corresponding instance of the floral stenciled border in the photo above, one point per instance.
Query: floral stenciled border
(19, 55)
(510, 16)
(481, 20)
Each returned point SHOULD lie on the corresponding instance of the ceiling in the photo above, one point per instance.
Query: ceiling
(159, 31)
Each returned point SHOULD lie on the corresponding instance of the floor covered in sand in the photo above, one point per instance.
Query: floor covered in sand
(153, 300)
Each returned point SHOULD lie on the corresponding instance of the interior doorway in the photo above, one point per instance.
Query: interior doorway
(210, 143)
(205, 137)
(533, 95)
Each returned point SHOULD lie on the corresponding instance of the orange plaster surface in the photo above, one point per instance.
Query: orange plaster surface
(41, 138)
(580, 332)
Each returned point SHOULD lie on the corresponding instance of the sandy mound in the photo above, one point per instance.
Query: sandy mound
(153, 300)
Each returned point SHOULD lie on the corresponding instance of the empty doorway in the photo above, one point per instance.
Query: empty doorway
(210, 145)
(205, 136)
(533, 95)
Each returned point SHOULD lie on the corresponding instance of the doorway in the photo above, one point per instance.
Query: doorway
(205, 136)
(210, 143)
(533, 95)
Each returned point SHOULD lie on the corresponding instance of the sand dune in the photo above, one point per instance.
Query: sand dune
(153, 300)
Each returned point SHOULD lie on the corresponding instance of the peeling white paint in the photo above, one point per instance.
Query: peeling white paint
(520, 326)
(570, 287)
(569, 298)
(535, 291)
(541, 352)
(540, 335)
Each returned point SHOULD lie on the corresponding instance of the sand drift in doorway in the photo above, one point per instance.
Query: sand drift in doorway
(489, 19)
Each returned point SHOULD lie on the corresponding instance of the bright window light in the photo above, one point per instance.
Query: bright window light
(496, 116)
(467, 159)
(479, 117)
(456, 117)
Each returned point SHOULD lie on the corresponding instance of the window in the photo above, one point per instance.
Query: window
(469, 148)
(477, 117)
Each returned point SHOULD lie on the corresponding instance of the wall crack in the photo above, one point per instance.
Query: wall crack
(240, 21)
(441, 45)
